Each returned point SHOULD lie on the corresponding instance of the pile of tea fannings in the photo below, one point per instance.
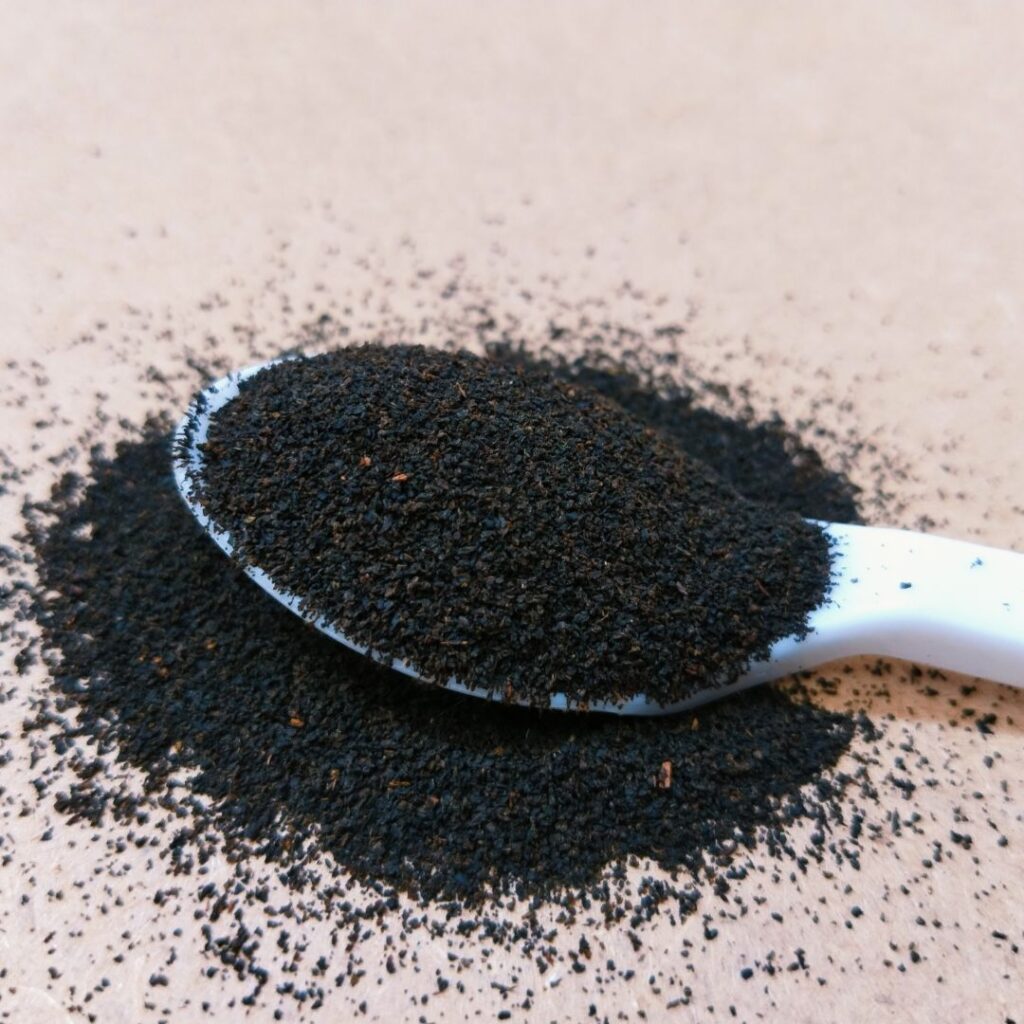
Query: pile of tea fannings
(492, 524)
(329, 833)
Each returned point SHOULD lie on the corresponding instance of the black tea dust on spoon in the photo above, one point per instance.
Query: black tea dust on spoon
(489, 523)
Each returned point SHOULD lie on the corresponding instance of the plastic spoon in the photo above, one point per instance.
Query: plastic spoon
(946, 603)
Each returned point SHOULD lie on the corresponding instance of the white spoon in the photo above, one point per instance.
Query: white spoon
(946, 603)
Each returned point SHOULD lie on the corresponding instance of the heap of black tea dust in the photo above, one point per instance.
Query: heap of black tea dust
(487, 522)
(296, 745)
(294, 762)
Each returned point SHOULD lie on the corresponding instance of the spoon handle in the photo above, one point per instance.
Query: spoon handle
(947, 603)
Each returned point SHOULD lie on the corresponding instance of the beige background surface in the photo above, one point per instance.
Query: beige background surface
(831, 194)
